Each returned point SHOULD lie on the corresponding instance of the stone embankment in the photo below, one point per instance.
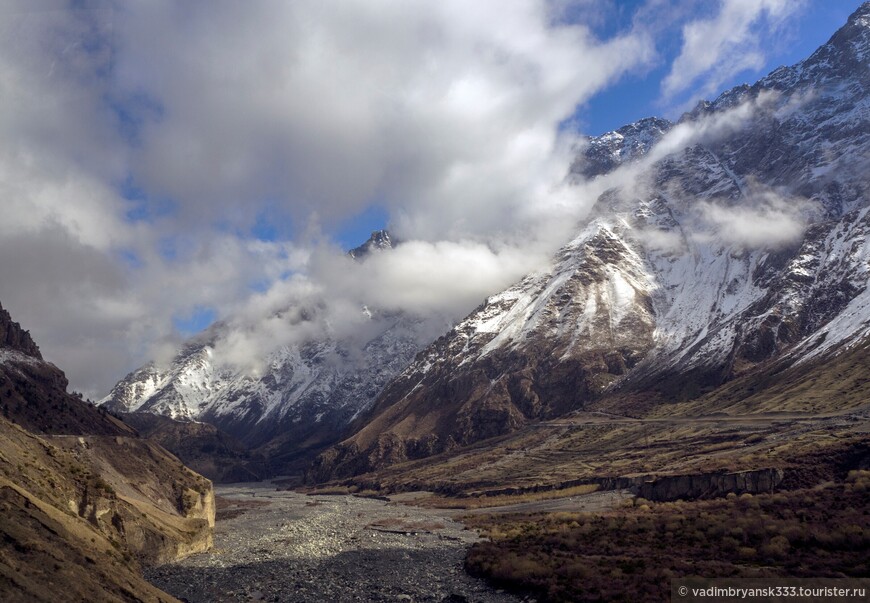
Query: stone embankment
(668, 487)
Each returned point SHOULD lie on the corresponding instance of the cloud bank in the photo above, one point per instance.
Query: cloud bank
(440, 111)
(718, 48)
(763, 220)
(142, 145)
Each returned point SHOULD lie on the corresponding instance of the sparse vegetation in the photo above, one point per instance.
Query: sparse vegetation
(631, 554)
(483, 502)
(104, 486)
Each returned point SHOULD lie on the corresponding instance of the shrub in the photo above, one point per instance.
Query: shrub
(631, 554)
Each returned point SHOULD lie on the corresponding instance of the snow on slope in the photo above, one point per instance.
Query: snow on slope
(311, 389)
(744, 240)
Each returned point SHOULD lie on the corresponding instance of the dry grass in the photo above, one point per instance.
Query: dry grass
(484, 502)
(405, 526)
(827, 385)
(632, 554)
(561, 452)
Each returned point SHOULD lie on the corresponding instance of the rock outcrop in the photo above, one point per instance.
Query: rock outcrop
(691, 486)
(13, 337)
(33, 392)
(710, 485)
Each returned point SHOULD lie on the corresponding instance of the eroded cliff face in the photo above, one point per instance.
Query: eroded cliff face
(13, 337)
(119, 502)
(85, 503)
(710, 485)
(142, 497)
(129, 490)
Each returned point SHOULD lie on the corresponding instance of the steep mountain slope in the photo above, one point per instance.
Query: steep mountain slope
(200, 446)
(308, 393)
(85, 501)
(733, 239)
(33, 392)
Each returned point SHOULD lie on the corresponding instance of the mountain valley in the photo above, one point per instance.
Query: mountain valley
(722, 274)
(681, 391)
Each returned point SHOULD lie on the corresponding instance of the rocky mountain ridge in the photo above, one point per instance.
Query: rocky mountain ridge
(15, 339)
(305, 398)
(743, 242)
(33, 392)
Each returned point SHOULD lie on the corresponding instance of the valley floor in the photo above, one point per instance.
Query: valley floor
(283, 546)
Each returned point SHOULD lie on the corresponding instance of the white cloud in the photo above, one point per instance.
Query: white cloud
(632, 178)
(763, 219)
(422, 277)
(716, 49)
(434, 283)
(445, 113)
(662, 241)
(444, 280)
(442, 111)
(709, 128)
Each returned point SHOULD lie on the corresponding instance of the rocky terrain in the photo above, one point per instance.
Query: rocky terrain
(33, 392)
(281, 546)
(85, 502)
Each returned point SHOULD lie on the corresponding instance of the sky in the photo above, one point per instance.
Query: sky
(165, 165)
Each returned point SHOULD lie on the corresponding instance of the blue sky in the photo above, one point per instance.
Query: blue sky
(638, 96)
(172, 164)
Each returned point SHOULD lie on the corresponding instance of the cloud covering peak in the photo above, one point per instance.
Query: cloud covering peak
(143, 145)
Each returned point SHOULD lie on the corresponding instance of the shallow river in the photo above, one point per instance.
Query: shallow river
(282, 546)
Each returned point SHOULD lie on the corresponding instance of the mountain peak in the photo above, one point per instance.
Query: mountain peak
(667, 297)
(379, 241)
(853, 39)
(857, 27)
(603, 153)
(844, 56)
(862, 13)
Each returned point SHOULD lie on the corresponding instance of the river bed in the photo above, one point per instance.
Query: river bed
(282, 546)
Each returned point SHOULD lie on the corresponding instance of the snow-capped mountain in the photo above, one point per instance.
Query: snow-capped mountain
(380, 240)
(307, 394)
(731, 239)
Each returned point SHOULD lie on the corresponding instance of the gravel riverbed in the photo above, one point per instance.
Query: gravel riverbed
(282, 546)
